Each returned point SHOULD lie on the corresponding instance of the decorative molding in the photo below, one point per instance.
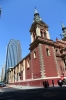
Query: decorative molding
(40, 79)
(24, 72)
(31, 65)
(56, 61)
(42, 68)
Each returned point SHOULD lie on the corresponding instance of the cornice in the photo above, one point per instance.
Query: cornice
(43, 41)
(35, 23)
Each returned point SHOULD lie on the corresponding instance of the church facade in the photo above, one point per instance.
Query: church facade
(46, 60)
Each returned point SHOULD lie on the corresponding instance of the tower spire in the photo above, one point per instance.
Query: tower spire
(36, 16)
(36, 12)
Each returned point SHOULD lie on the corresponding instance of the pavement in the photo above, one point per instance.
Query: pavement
(23, 87)
(29, 87)
(53, 93)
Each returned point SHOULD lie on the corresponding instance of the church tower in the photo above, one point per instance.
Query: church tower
(38, 28)
(41, 50)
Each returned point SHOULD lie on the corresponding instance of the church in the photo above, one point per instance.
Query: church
(46, 60)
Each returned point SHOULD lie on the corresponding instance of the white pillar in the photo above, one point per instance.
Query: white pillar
(38, 32)
(48, 36)
(19, 72)
(16, 74)
(24, 70)
(31, 38)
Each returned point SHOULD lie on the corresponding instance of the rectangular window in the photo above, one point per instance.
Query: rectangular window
(47, 52)
(22, 67)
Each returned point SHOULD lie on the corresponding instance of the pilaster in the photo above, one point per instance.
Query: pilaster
(31, 66)
(56, 62)
(24, 76)
(41, 59)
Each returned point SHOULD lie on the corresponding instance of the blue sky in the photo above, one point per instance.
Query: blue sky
(17, 17)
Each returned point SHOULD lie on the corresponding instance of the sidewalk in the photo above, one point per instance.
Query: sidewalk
(23, 87)
(30, 87)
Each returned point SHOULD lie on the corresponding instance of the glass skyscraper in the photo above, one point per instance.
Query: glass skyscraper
(13, 54)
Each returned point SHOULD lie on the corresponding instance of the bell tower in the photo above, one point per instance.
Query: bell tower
(38, 27)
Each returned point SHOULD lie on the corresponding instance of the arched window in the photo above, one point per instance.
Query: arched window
(28, 65)
(41, 33)
(56, 50)
(44, 35)
(22, 67)
(47, 52)
(34, 54)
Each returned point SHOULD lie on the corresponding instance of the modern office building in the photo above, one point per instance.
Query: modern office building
(13, 54)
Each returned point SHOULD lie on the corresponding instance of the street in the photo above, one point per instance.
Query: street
(33, 94)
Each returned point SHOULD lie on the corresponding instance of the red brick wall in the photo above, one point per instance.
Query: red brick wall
(35, 64)
(21, 77)
(60, 64)
(27, 70)
(37, 82)
(49, 62)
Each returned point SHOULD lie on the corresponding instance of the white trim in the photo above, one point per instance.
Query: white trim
(37, 79)
(56, 63)
(24, 71)
(41, 59)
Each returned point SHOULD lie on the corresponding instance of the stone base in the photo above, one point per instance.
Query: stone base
(36, 82)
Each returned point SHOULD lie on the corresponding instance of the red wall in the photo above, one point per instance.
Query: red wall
(35, 64)
(49, 62)
(27, 70)
(37, 82)
(60, 63)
